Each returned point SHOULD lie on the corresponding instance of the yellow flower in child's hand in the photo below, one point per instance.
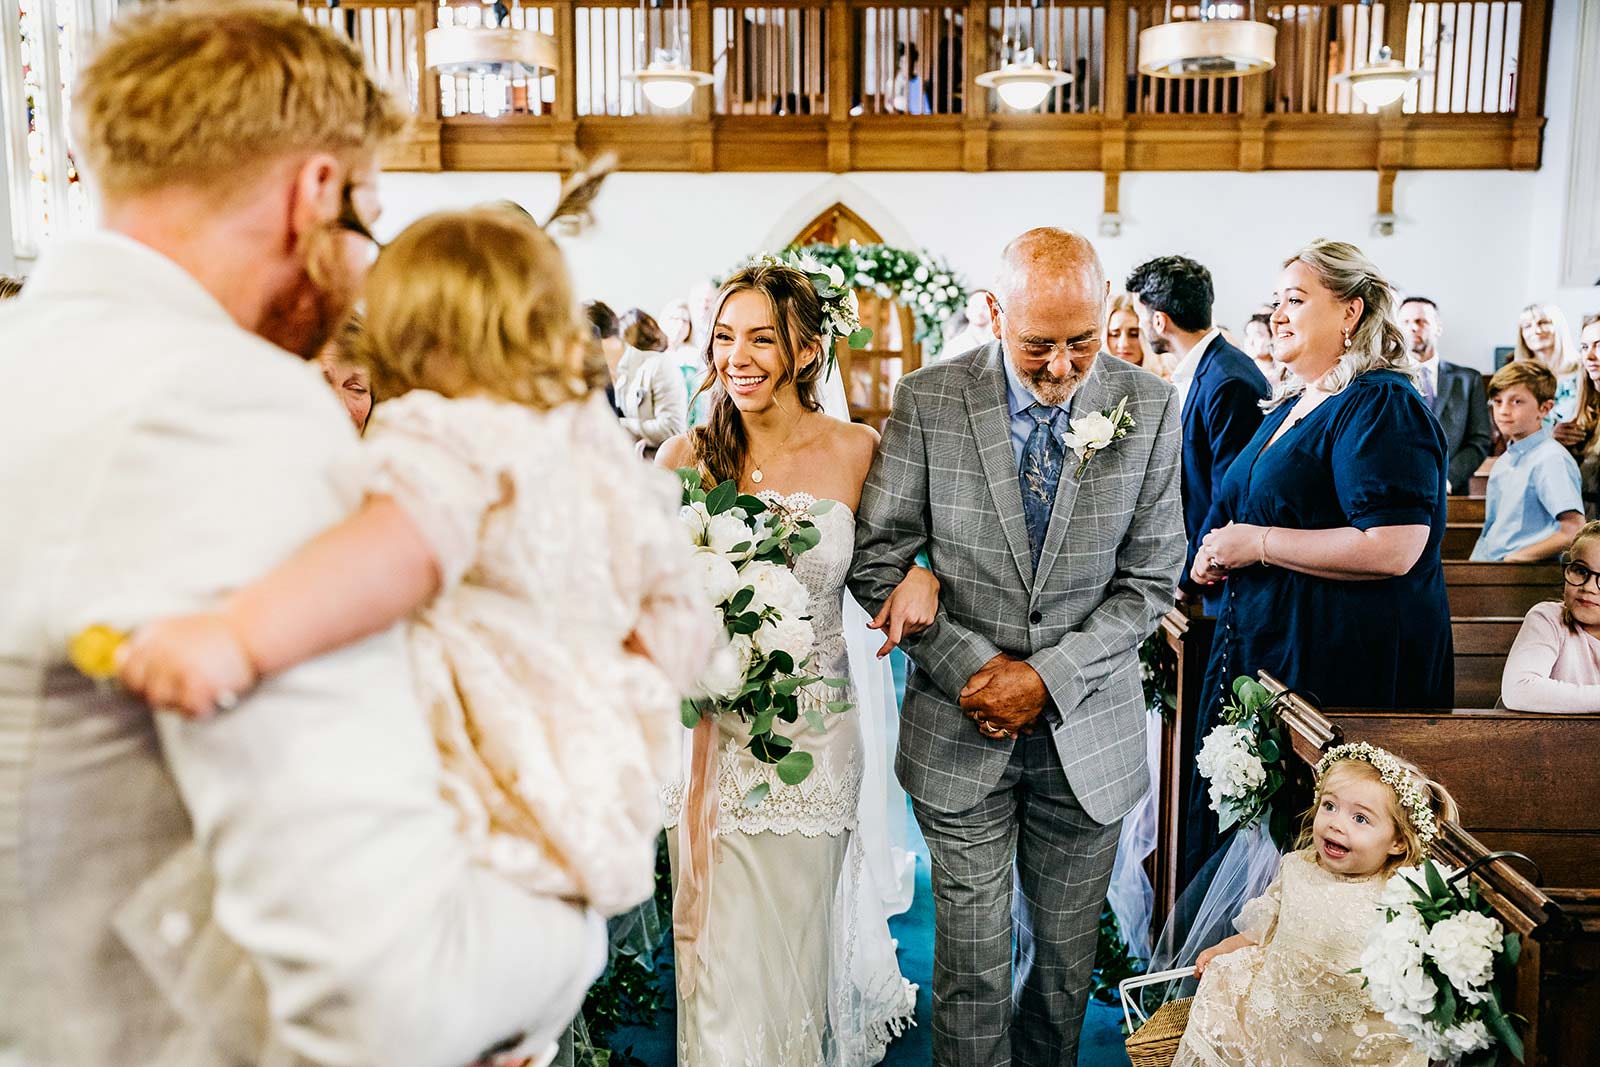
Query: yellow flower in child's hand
(94, 651)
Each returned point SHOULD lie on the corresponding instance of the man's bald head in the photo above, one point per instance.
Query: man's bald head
(1048, 258)
(1048, 306)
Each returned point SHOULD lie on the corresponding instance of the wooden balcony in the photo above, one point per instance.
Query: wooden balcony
(841, 85)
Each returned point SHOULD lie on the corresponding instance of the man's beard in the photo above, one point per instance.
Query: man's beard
(302, 319)
(1052, 389)
(1423, 350)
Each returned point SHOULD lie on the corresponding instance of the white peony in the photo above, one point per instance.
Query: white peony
(1091, 433)
(725, 531)
(1467, 1037)
(726, 672)
(777, 587)
(1463, 948)
(785, 634)
(718, 576)
(1228, 760)
(696, 518)
(757, 575)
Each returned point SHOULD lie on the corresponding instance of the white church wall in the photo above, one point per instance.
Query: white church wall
(1462, 237)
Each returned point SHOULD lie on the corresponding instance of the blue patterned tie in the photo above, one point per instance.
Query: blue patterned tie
(1039, 474)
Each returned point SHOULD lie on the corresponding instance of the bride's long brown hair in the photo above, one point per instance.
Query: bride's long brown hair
(720, 446)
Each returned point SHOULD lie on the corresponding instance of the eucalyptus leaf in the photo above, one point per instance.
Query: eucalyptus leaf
(757, 794)
(741, 600)
(804, 540)
(839, 707)
(814, 719)
(794, 767)
(1226, 819)
(689, 713)
(861, 338)
(1512, 947)
(783, 662)
(751, 504)
(1269, 751)
(722, 498)
(821, 507)
(1501, 1027)
(836, 683)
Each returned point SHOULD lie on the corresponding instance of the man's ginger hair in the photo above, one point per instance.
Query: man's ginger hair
(207, 93)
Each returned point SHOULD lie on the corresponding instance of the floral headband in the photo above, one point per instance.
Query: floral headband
(841, 311)
(1394, 776)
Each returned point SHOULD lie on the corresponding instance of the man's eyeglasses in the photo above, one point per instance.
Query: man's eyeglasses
(1577, 575)
(350, 219)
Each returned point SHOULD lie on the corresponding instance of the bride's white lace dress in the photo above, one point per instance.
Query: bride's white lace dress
(800, 969)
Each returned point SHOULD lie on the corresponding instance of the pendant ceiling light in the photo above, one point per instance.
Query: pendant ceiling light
(1221, 43)
(1382, 81)
(491, 47)
(1022, 82)
(668, 82)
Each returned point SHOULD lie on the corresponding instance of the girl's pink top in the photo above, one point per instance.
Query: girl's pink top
(1552, 668)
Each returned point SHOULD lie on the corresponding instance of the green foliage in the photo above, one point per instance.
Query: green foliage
(1112, 960)
(634, 989)
(1158, 673)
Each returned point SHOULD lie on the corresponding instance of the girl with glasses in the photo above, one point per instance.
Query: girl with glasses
(1554, 665)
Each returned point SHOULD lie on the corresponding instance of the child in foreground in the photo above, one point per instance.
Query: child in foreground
(1280, 992)
(554, 613)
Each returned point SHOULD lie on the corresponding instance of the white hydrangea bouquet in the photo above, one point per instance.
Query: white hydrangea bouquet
(1243, 759)
(1431, 967)
(746, 551)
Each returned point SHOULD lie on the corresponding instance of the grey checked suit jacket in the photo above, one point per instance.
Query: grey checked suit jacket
(945, 479)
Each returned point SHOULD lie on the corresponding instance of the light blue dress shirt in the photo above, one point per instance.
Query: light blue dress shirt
(1529, 488)
(1019, 400)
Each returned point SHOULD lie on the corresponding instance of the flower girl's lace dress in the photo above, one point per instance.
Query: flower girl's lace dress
(1290, 1000)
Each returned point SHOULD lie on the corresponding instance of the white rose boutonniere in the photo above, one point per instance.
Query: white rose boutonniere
(1097, 431)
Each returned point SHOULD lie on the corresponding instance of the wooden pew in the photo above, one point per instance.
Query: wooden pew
(1481, 647)
(1466, 509)
(1525, 782)
(1188, 642)
(1459, 539)
(1480, 590)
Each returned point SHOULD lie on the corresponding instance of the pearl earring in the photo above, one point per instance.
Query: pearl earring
(1347, 339)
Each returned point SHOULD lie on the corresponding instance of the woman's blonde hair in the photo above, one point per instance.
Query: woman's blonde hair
(1376, 343)
(1589, 532)
(1565, 358)
(474, 302)
(1118, 302)
(194, 92)
(720, 446)
(1439, 800)
(9, 287)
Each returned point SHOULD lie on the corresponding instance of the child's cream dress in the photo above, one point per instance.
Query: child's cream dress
(555, 542)
(1290, 1001)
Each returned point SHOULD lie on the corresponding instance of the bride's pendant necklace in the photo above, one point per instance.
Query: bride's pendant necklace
(755, 470)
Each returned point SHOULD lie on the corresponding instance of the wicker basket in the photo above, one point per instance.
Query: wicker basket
(1155, 1042)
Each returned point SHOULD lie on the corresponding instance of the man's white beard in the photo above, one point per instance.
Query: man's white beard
(1050, 390)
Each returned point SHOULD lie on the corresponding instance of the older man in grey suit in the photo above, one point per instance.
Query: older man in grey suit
(1022, 742)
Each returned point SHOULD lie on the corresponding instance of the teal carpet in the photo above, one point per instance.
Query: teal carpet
(1100, 1046)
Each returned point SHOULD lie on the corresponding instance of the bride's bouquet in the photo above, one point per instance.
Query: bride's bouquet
(747, 551)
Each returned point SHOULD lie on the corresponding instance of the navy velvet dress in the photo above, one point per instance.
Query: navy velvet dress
(1372, 455)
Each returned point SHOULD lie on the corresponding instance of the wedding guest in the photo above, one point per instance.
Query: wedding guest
(603, 326)
(979, 329)
(344, 368)
(9, 287)
(1258, 341)
(686, 350)
(1543, 334)
(1220, 391)
(1454, 393)
(1554, 664)
(184, 447)
(1589, 405)
(540, 636)
(1535, 503)
(1330, 517)
(650, 387)
(1121, 332)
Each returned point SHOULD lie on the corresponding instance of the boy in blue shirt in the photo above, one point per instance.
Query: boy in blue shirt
(1535, 504)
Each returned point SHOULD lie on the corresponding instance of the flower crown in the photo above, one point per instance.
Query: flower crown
(1394, 776)
(841, 311)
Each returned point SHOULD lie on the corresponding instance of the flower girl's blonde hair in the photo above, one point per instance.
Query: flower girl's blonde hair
(1414, 832)
(474, 303)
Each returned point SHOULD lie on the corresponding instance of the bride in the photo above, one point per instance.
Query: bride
(784, 955)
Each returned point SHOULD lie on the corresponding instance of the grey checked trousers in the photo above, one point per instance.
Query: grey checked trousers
(1018, 882)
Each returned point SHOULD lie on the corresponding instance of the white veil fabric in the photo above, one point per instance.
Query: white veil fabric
(881, 817)
(1130, 894)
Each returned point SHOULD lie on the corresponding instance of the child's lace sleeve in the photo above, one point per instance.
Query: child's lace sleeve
(424, 451)
(1259, 916)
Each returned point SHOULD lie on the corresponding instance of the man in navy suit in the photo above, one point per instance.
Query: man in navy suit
(1456, 394)
(1219, 387)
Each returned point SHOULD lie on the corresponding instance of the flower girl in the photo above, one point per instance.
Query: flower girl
(1280, 992)
(554, 615)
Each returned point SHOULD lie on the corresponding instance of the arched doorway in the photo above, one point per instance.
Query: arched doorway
(870, 373)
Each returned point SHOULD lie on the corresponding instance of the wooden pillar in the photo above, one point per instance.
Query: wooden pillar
(702, 143)
(974, 97)
(840, 40)
(1527, 137)
(1114, 103)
